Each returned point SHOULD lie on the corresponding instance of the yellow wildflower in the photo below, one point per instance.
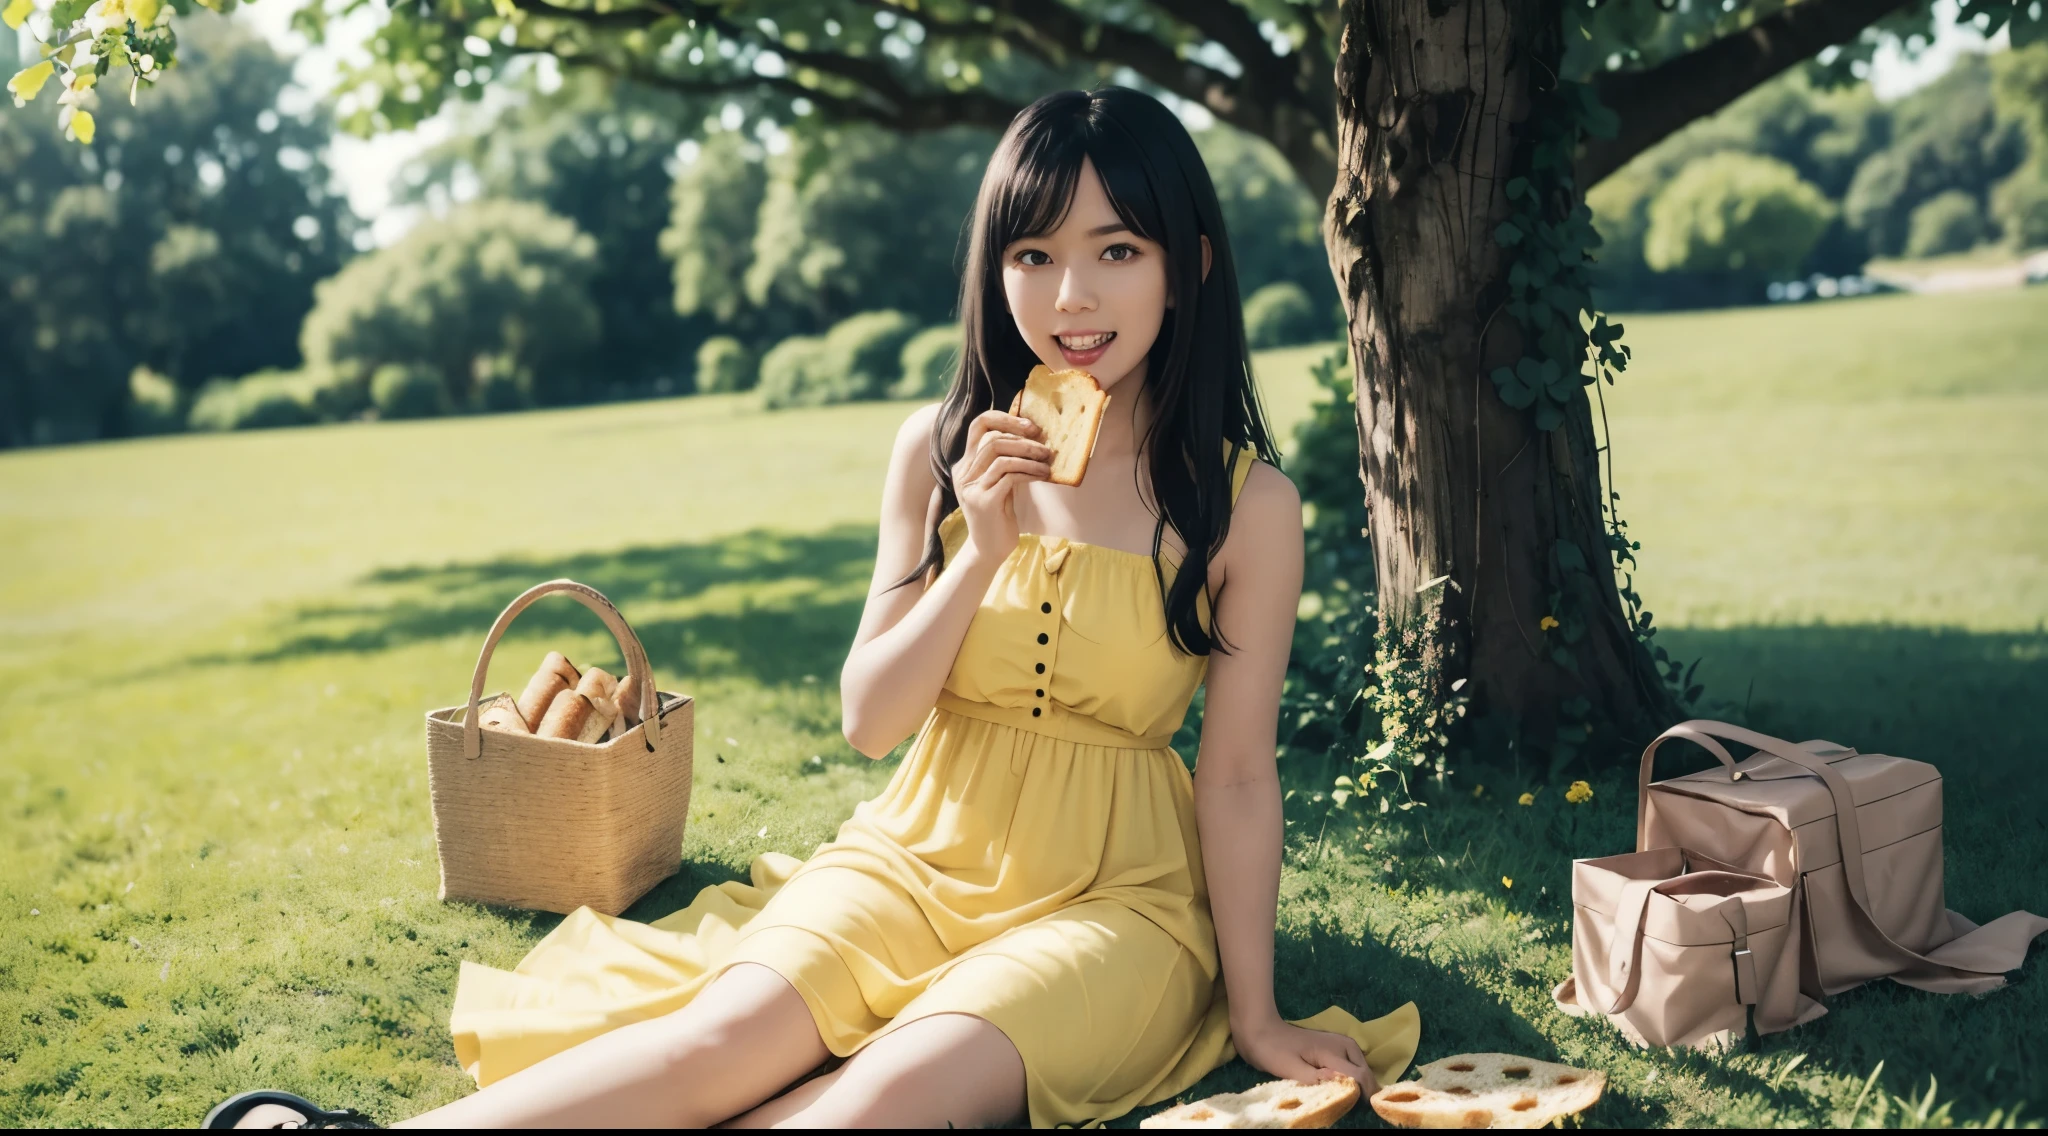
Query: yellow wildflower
(1579, 793)
(1526, 799)
(1478, 790)
(1506, 882)
(1549, 621)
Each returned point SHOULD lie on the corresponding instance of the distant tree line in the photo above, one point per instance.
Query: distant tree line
(1791, 181)
(598, 240)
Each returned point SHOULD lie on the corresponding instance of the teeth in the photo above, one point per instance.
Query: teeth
(1086, 342)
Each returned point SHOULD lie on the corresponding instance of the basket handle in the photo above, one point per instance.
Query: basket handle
(629, 646)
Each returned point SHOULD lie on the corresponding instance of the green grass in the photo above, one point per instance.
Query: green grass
(216, 869)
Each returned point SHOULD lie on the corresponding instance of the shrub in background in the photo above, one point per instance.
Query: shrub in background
(1281, 315)
(491, 279)
(929, 360)
(1737, 215)
(1947, 222)
(261, 401)
(498, 383)
(399, 390)
(864, 355)
(155, 405)
(790, 373)
(724, 364)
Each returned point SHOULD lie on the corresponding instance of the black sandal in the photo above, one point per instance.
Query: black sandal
(228, 1112)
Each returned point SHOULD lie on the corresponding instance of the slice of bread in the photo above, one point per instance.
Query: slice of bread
(1068, 406)
(501, 713)
(1275, 1104)
(1488, 1090)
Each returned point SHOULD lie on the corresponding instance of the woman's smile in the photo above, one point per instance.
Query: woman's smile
(1082, 348)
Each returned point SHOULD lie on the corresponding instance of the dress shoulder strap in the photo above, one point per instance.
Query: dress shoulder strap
(1241, 460)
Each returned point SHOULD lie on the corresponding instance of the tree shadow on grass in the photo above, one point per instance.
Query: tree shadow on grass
(788, 613)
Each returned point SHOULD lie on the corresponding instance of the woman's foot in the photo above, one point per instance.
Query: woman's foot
(269, 1108)
(272, 1116)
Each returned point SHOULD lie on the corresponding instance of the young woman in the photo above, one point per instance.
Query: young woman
(1039, 916)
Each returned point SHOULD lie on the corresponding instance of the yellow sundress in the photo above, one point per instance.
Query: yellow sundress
(1033, 862)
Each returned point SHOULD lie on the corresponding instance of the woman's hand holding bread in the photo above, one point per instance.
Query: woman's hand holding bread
(1003, 450)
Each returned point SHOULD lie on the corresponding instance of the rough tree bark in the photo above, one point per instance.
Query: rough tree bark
(1467, 499)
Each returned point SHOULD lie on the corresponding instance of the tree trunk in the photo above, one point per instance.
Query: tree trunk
(1467, 499)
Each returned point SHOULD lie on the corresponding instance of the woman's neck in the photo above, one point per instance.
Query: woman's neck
(1127, 418)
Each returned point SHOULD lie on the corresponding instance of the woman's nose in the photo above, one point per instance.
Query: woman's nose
(1075, 293)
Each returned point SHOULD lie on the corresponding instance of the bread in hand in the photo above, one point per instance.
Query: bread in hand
(554, 676)
(1275, 1104)
(1067, 405)
(1488, 1090)
(501, 713)
(567, 715)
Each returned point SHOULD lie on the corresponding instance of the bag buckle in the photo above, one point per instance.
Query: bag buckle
(1745, 974)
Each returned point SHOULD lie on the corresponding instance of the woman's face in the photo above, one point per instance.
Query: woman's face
(1091, 294)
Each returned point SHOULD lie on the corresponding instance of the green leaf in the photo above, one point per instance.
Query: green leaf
(1513, 391)
(1516, 186)
(1549, 417)
(64, 13)
(1570, 556)
(1507, 234)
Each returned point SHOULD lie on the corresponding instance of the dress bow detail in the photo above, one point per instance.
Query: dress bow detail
(1056, 550)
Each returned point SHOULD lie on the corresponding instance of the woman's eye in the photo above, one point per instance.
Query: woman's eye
(1111, 252)
(1025, 258)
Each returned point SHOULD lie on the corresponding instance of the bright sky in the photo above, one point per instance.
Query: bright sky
(365, 168)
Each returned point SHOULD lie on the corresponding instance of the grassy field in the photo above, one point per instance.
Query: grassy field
(216, 868)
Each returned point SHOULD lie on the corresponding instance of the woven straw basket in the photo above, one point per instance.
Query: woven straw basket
(553, 824)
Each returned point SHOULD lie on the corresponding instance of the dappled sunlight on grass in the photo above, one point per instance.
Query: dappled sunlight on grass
(216, 863)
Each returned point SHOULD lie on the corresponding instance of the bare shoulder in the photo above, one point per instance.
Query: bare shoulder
(1269, 505)
(910, 456)
(1265, 525)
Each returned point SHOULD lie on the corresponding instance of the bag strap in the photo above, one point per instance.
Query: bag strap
(629, 646)
(1704, 732)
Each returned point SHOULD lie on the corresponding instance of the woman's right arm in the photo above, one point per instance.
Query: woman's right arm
(908, 637)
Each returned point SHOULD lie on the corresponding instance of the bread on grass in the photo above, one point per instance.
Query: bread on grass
(1275, 1104)
(501, 713)
(1488, 1090)
(1068, 406)
(567, 715)
(555, 675)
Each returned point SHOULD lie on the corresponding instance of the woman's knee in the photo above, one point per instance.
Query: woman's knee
(744, 1014)
(952, 1069)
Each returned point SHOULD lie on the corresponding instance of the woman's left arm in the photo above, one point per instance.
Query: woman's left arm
(1237, 783)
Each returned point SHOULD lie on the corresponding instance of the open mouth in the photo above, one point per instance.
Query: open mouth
(1081, 350)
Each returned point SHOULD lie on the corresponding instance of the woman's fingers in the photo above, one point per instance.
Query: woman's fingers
(995, 448)
(1003, 468)
(1340, 1054)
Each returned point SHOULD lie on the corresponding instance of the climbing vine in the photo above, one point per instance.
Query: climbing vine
(1569, 345)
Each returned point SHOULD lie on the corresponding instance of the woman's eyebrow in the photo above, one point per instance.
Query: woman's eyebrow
(1113, 227)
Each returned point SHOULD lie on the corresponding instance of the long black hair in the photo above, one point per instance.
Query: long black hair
(1198, 372)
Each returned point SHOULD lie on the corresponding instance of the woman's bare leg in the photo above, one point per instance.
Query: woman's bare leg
(736, 1044)
(948, 1068)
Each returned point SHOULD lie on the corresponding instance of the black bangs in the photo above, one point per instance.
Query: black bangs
(1033, 200)
(1198, 382)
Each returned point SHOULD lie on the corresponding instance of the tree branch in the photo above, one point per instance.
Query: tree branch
(1654, 103)
(931, 111)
